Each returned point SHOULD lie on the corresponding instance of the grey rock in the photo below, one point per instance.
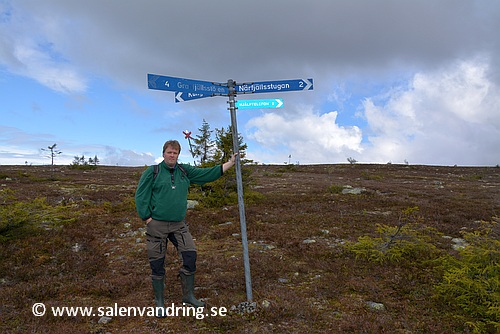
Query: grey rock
(104, 320)
(242, 308)
(191, 204)
(353, 191)
(458, 243)
(376, 306)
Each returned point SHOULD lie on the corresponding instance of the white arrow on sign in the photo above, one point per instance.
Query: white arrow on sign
(308, 84)
(186, 96)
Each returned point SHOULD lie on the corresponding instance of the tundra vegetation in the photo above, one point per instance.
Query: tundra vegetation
(333, 248)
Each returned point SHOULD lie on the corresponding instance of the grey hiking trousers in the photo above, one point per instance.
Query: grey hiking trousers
(158, 233)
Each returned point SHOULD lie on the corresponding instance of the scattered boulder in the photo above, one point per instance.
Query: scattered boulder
(191, 204)
(266, 246)
(458, 243)
(439, 184)
(353, 191)
(77, 247)
(244, 307)
(104, 320)
(376, 306)
(266, 303)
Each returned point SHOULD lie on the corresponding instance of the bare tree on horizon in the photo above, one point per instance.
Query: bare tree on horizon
(53, 152)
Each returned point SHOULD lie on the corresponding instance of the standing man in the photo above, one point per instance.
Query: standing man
(161, 201)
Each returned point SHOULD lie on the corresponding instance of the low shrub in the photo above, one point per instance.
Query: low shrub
(409, 240)
(21, 218)
(224, 190)
(471, 282)
(335, 189)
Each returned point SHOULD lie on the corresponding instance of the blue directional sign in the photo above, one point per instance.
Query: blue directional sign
(173, 84)
(186, 96)
(257, 104)
(275, 86)
(187, 89)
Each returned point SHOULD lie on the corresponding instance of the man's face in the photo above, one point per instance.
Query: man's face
(170, 156)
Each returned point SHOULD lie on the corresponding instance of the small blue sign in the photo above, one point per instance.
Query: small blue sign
(275, 86)
(173, 84)
(187, 96)
(257, 104)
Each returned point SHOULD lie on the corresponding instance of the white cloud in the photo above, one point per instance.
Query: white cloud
(309, 137)
(27, 48)
(364, 44)
(446, 115)
(120, 157)
(38, 65)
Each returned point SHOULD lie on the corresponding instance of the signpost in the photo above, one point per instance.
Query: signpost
(187, 89)
(256, 104)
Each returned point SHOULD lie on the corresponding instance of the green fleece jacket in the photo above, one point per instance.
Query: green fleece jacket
(165, 197)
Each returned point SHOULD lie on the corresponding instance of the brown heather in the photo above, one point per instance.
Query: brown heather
(80, 243)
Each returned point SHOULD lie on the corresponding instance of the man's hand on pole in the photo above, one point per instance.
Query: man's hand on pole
(230, 163)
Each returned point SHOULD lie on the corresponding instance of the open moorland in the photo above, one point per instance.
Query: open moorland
(71, 238)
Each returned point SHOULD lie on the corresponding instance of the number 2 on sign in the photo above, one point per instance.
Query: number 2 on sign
(301, 84)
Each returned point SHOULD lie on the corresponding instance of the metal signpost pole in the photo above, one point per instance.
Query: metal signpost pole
(241, 204)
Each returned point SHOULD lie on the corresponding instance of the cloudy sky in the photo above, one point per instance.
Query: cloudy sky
(396, 81)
